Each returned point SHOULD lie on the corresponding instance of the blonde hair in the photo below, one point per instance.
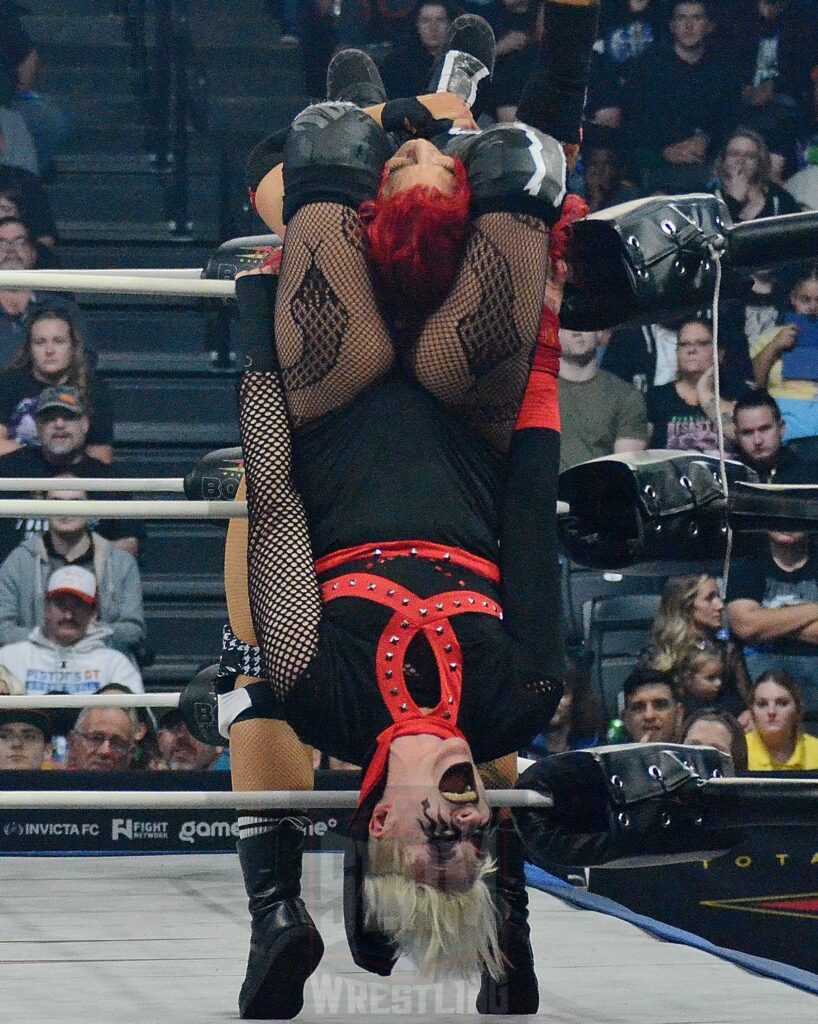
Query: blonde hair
(704, 651)
(675, 635)
(447, 934)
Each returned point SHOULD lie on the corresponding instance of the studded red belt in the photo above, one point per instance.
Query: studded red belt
(409, 549)
(412, 615)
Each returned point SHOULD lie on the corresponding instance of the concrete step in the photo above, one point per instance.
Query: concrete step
(171, 547)
(157, 434)
(185, 629)
(75, 28)
(137, 333)
(159, 459)
(191, 401)
(141, 196)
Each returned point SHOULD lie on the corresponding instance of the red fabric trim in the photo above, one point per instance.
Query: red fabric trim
(412, 615)
(409, 549)
(540, 405)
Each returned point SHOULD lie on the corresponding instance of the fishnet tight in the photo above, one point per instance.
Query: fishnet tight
(474, 352)
(284, 598)
(331, 340)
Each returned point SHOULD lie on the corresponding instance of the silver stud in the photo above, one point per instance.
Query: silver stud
(403, 707)
(390, 593)
(394, 639)
(377, 552)
(451, 700)
(439, 631)
(334, 586)
(485, 604)
(405, 601)
(447, 557)
(388, 675)
(404, 624)
(422, 611)
(413, 552)
(372, 586)
(471, 600)
(458, 604)
(394, 691)
(448, 648)
(438, 607)
(453, 666)
(389, 655)
(352, 583)
(447, 714)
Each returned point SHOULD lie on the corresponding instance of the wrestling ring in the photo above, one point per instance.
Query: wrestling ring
(164, 937)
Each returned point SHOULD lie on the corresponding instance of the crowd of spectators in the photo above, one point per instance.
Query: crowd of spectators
(685, 95)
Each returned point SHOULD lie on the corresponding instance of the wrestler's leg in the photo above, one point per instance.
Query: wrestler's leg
(285, 946)
(331, 340)
(474, 351)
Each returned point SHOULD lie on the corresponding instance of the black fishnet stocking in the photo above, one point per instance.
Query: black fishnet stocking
(284, 598)
(474, 352)
(331, 340)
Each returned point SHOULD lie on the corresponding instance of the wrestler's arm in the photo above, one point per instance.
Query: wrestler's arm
(269, 195)
(529, 563)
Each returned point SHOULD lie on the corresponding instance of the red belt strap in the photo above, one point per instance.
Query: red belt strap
(412, 615)
(409, 549)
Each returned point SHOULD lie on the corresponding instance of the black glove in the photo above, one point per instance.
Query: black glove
(410, 117)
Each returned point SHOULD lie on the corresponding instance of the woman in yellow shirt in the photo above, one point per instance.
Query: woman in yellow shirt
(778, 741)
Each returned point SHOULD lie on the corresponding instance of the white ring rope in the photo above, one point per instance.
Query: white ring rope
(12, 508)
(125, 284)
(156, 800)
(148, 485)
(50, 701)
(175, 273)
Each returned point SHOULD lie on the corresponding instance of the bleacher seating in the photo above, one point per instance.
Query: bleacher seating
(164, 359)
(617, 629)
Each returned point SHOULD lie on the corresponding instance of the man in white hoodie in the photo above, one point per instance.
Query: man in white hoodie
(69, 654)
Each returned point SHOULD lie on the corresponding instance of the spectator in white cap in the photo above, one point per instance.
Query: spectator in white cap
(69, 654)
(69, 540)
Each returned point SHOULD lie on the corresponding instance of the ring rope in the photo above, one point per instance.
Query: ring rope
(126, 284)
(48, 702)
(157, 485)
(12, 508)
(343, 799)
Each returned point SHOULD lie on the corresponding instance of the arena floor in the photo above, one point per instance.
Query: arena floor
(143, 940)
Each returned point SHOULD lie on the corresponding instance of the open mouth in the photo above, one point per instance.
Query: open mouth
(458, 784)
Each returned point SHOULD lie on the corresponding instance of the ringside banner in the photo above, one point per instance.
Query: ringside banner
(126, 831)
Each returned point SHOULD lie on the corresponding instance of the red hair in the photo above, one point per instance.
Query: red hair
(415, 240)
(574, 208)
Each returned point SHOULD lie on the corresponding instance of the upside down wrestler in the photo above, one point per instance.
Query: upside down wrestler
(391, 439)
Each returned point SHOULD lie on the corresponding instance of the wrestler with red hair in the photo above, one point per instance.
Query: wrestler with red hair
(396, 433)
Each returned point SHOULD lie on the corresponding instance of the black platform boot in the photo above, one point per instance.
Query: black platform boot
(285, 947)
(519, 992)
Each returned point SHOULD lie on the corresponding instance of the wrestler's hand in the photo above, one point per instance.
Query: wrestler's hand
(447, 106)
(428, 115)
